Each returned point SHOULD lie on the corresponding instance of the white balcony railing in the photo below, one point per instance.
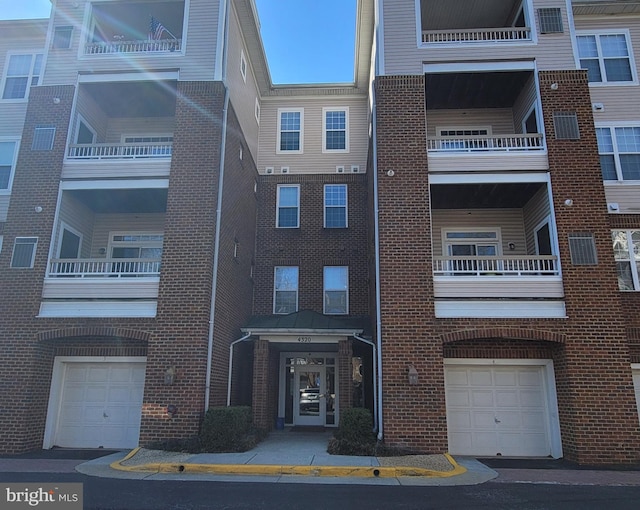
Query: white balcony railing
(119, 151)
(159, 46)
(500, 143)
(506, 265)
(478, 35)
(94, 268)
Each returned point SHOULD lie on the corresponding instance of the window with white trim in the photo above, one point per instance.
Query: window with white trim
(285, 289)
(335, 205)
(626, 249)
(8, 155)
(23, 71)
(336, 290)
(43, 138)
(243, 66)
(619, 149)
(606, 57)
(290, 131)
(335, 129)
(288, 208)
(24, 252)
(134, 245)
(256, 111)
(62, 37)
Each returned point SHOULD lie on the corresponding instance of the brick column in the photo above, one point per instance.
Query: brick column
(414, 416)
(345, 376)
(598, 414)
(260, 402)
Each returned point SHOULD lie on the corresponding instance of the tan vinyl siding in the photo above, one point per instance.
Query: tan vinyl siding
(139, 126)
(535, 211)
(403, 56)
(510, 222)
(242, 94)
(91, 112)
(500, 120)
(106, 223)
(627, 196)
(527, 98)
(199, 44)
(616, 99)
(313, 160)
(79, 217)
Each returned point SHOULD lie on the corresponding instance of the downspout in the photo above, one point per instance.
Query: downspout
(231, 365)
(377, 257)
(216, 247)
(375, 372)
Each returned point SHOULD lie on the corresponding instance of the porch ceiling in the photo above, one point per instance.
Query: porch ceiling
(125, 201)
(134, 99)
(483, 196)
(474, 90)
(444, 14)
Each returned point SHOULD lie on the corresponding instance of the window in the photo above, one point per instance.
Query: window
(464, 246)
(565, 125)
(619, 149)
(550, 20)
(288, 213)
(24, 252)
(335, 128)
(290, 131)
(136, 245)
(335, 206)
(455, 138)
(62, 38)
(583, 249)
(256, 111)
(626, 249)
(8, 154)
(1, 239)
(336, 290)
(285, 290)
(43, 137)
(606, 57)
(243, 66)
(23, 71)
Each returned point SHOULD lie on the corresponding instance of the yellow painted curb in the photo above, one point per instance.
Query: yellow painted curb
(277, 470)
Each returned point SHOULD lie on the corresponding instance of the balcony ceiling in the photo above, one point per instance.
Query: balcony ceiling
(483, 196)
(459, 91)
(462, 14)
(134, 99)
(125, 201)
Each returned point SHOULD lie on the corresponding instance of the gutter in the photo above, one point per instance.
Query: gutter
(375, 385)
(216, 247)
(377, 257)
(242, 339)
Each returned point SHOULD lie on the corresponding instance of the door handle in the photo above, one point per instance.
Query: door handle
(496, 420)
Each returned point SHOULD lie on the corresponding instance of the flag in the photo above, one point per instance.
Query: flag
(156, 29)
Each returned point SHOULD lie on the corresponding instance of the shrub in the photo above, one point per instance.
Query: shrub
(354, 435)
(228, 429)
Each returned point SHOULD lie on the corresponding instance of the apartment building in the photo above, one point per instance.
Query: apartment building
(451, 240)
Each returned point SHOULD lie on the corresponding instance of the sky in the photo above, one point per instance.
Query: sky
(306, 41)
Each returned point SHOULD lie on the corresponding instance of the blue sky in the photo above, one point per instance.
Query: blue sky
(306, 41)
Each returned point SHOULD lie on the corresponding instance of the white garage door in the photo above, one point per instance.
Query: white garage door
(100, 405)
(497, 410)
(636, 385)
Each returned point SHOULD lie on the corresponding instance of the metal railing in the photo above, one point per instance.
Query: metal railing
(506, 265)
(470, 143)
(477, 35)
(119, 151)
(160, 46)
(116, 268)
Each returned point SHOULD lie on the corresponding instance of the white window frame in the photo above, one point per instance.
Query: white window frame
(16, 149)
(326, 289)
(275, 289)
(281, 186)
(616, 152)
(326, 110)
(631, 259)
(33, 253)
(301, 131)
(256, 111)
(345, 206)
(446, 242)
(598, 34)
(452, 142)
(53, 37)
(82, 120)
(134, 244)
(30, 76)
(65, 226)
(243, 66)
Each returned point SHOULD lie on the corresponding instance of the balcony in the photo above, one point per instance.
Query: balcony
(135, 28)
(107, 248)
(122, 129)
(494, 241)
(460, 22)
(484, 121)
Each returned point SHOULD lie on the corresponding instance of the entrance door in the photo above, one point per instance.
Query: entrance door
(310, 396)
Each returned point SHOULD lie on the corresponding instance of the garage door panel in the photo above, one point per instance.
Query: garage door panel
(457, 377)
(479, 377)
(529, 378)
(98, 374)
(482, 398)
(505, 378)
(531, 398)
(95, 394)
(461, 420)
(483, 420)
(506, 398)
(76, 374)
(120, 375)
(460, 397)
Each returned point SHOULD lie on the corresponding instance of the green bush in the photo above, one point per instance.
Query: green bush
(354, 435)
(228, 429)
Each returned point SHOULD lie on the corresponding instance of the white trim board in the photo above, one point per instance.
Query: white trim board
(498, 309)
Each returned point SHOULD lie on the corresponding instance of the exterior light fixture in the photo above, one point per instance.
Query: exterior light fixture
(413, 376)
